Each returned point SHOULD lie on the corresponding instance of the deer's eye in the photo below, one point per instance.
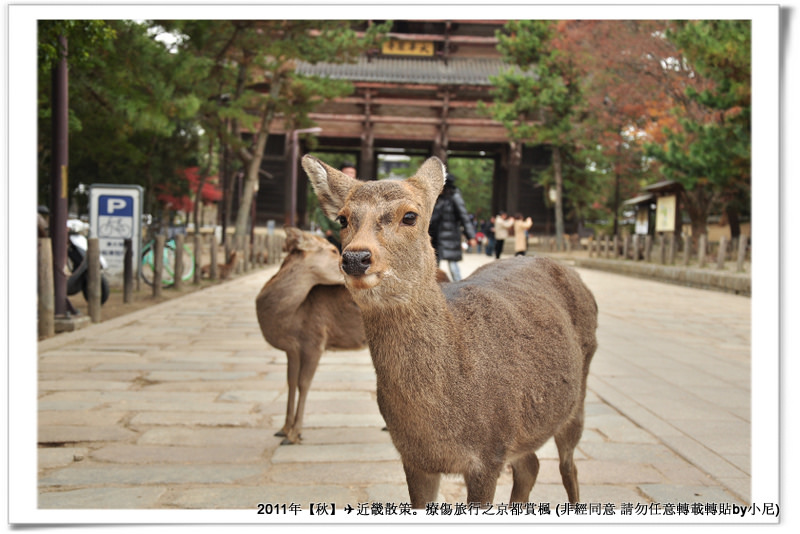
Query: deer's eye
(410, 219)
(342, 220)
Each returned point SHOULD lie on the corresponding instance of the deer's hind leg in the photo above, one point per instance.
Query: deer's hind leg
(292, 376)
(525, 470)
(566, 440)
(309, 358)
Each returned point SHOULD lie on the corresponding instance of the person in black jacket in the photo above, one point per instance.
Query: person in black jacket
(448, 221)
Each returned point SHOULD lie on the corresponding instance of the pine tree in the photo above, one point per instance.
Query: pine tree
(539, 99)
(709, 153)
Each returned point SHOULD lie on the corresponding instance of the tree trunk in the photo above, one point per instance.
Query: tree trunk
(559, 197)
(201, 182)
(733, 221)
(254, 162)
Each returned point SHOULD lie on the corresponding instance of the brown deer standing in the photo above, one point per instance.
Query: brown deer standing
(472, 374)
(304, 310)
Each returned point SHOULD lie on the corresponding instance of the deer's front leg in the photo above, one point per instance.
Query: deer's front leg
(422, 487)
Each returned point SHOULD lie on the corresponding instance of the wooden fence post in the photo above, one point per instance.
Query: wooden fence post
(701, 251)
(198, 255)
(94, 289)
(178, 276)
(46, 292)
(722, 253)
(673, 243)
(742, 251)
(127, 273)
(687, 249)
(158, 264)
(212, 270)
(648, 248)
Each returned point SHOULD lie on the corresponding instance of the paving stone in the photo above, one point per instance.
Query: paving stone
(312, 420)
(78, 434)
(161, 366)
(172, 376)
(198, 418)
(50, 457)
(602, 472)
(247, 498)
(619, 429)
(201, 407)
(361, 452)
(329, 436)
(262, 396)
(673, 493)
(208, 437)
(340, 473)
(108, 498)
(95, 417)
(217, 386)
(112, 376)
(388, 493)
(650, 453)
(50, 405)
(138, 454)
(77, 385)
(98, 475)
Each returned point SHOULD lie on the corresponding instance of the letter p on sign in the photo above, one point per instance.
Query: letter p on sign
(115, 204)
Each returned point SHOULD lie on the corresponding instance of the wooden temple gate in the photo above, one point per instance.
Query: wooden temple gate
(418, 96)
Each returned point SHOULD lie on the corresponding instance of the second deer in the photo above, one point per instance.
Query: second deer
(305, 310)
(472, 374)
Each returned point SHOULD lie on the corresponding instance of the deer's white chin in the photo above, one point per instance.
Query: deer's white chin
(365, 281)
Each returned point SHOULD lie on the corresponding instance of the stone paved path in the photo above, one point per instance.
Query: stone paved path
(176, 406)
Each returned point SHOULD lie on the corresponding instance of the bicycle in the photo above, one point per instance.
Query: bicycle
(167, 263)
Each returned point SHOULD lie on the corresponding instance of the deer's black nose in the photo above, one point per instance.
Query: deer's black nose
(356, 262)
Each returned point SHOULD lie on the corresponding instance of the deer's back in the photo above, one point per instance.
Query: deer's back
(332, 309)
(532, 297)
(529, 334)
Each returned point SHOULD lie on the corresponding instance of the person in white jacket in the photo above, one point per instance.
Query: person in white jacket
(521, 228)
(501, 225)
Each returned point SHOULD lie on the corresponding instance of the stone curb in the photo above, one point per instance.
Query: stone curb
(685, 276)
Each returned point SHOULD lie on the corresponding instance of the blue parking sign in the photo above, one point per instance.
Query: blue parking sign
(115, 214)
(115, 205)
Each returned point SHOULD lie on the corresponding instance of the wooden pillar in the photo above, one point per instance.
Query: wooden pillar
(512, 183)
(442, 140)
(366, 165)
(47, 325)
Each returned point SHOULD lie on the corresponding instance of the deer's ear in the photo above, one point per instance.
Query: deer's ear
(430, 179)
(331, 186)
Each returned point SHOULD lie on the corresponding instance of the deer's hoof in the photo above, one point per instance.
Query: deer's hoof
(280, 434)
(290, 441)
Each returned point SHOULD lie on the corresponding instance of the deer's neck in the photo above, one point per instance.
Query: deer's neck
(408, 337)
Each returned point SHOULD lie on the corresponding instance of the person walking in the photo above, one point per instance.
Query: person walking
(488, 229)
(502, 224)
(448, 221)
(521, 228)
